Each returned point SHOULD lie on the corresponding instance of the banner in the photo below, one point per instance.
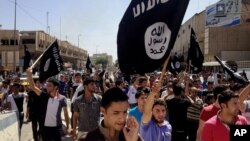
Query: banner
(223, 13)
(147, 33)
(195, 56)
(51, 63)
(27, 58)
(89, 66)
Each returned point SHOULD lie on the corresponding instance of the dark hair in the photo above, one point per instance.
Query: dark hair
(113, 95)
(209, 97)
(209, 82)
(177, 89)
(142, 79)
(237, 87)
(218, 89)
(141, 91)
(54, 81)
(159, 102)
(84, 75)
(88, 80)
(35, 80)
(16, 85)
(225, 96)
(77, 74)
(118, 82)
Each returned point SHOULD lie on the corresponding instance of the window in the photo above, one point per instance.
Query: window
(28, 41)
(4, 42)
(12, 42)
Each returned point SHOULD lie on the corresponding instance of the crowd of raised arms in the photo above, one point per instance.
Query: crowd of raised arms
(110, 106)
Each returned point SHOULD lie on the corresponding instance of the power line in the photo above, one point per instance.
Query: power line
(32, 17)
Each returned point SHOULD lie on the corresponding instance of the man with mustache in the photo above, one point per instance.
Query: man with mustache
(154, 127)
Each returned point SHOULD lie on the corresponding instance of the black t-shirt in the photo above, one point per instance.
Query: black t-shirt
(19, 102)
(33, 103)
(74, 86)
(177, 109)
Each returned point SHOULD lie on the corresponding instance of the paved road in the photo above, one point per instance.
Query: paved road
(27, 130)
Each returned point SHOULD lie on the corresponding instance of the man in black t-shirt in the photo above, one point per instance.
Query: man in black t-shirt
(33, 110)
(177, 109)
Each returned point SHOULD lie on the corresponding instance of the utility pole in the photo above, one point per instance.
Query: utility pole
(78, 36)
(47, 22)
(60, 28)
(14, 55)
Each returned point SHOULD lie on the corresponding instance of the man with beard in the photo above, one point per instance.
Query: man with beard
(114, 106)
(86, 109)
(217, 127)
(51, 106)
(154, 127)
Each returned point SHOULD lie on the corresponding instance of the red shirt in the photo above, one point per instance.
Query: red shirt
(215, 130)
(208, 112)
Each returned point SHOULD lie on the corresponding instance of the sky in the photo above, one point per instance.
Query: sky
(95, 22)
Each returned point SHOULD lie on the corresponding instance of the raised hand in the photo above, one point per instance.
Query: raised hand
(131, 132)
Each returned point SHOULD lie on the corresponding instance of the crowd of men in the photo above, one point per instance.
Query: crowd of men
(120, 108)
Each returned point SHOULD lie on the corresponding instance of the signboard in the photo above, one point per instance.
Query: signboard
(223, 13)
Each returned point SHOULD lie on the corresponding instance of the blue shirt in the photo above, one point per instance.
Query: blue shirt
(135, 113)
(152, 132)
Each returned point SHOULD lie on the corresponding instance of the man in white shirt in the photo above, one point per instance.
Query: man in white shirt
(52, 104)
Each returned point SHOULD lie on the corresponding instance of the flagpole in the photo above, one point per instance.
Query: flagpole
(189, 66)
(164, 69)
(32, 66)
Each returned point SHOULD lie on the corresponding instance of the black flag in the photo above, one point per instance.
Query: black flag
(147, 33)
(26, 59)
(194, 54)
(175, 64)
(234, 75)
(89, 66)
(51, 62)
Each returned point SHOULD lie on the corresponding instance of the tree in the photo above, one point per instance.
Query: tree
(103, 61)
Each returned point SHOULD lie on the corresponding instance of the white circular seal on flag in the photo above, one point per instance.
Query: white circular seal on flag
(46, 66)
(177, 65)
(157, 39)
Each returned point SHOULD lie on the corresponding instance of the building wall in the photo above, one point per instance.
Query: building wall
(7, 49)
(37, 42)
(231, 40)
(102, 55)
(182, 42)
(229, 43)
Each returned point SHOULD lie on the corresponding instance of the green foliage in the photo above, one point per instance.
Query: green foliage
(103, 61)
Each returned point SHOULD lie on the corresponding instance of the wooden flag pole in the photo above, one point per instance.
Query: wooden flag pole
(189, 66)
(164, 69)
(33, 65)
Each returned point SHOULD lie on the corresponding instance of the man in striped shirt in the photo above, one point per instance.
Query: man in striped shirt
(193, 114)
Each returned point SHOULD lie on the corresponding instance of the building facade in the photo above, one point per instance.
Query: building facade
(102, 56)
(226, 42)
(36, 42)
